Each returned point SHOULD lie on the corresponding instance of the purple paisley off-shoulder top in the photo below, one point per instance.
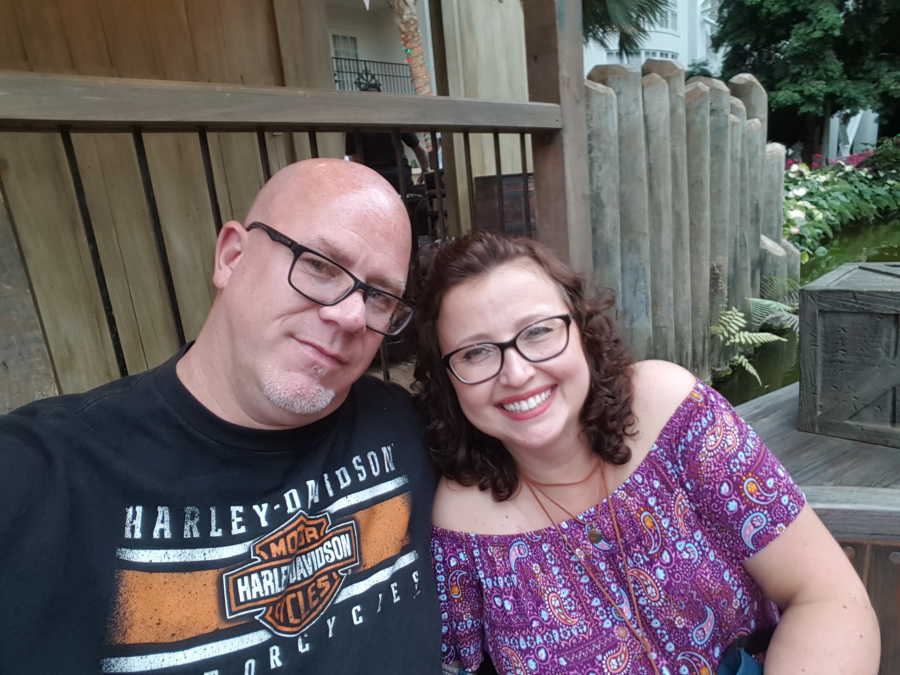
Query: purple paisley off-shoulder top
(708, 495)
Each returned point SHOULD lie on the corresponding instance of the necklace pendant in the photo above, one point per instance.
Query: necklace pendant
(594, 535)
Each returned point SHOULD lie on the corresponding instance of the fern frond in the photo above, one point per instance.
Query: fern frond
(761, 309)
(785, 290)
(743, 362)
(784, 321)
(791, 294)
(747, 339)
(768, 287)
(733, 319)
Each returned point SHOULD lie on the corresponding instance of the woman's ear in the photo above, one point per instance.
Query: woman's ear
(229, 251)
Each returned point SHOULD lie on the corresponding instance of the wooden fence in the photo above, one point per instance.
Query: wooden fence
(686, 204)
(113, 188)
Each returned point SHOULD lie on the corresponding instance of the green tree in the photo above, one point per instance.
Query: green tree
(698, 68)
(601, 19)
(815, 57)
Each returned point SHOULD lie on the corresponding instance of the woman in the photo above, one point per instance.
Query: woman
(599, 516)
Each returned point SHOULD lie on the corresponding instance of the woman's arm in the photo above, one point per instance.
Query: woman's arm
(827, 623)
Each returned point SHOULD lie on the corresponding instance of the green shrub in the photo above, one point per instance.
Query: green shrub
(886, 156)
(731, 330)
(819, 203)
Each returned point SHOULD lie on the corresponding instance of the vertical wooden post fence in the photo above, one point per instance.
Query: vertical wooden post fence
(636, 289)
(681, 176)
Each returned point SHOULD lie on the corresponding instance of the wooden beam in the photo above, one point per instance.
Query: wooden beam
(41, 100)
(439, 48)
(554, 44)
(857, 513)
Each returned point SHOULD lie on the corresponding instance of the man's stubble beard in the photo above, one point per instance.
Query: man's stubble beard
(306, 397)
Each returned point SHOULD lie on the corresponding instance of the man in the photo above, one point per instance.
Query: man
(254, 505)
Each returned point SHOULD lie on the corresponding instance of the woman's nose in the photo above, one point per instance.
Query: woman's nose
(516, 369)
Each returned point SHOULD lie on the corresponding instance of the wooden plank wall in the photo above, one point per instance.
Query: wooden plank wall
(107, 263)
(25, 368)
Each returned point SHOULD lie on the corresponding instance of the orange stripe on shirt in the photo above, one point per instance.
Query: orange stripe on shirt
(165, 607)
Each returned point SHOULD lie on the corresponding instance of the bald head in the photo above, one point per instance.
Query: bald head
(290, 358)
(314, 184)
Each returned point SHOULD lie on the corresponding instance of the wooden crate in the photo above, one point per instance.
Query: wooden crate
(850, 353)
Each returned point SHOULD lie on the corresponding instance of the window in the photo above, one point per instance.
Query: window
(344, 46)
(613, 56)
(709, 9)
(658, 54)
(669, 21)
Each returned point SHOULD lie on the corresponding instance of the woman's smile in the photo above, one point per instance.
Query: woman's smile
(528, 405)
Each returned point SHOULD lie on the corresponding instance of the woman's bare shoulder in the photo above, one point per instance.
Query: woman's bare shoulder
(660, 382)
(468, 509)
(454, 504)
(659, 388)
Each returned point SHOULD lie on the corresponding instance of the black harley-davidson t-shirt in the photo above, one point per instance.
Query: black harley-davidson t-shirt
(143, 534)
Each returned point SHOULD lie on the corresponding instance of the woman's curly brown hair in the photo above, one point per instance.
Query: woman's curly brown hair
(463, 453)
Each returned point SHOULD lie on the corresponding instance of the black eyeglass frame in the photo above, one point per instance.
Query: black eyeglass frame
(503, 346)
(368, 290)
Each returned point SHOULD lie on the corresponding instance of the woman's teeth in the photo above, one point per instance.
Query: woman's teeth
(528, 404)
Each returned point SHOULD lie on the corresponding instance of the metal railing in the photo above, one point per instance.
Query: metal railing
(362, 74)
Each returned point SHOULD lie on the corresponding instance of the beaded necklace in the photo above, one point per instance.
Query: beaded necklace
(594, 536)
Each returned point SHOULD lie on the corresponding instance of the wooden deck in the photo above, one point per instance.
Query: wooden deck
(855, 489)
(854, 486)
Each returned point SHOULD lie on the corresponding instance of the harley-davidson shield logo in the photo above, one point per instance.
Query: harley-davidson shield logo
(295, 573)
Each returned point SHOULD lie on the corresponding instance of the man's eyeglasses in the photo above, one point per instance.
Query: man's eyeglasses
(325, 282)
(539, 341)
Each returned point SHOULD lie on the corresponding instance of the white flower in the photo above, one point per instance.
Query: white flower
(799, 192)
(794, 230)
(794, 168)
(797, 216)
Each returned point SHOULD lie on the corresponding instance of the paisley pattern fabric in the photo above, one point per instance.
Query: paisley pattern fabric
(708, 495)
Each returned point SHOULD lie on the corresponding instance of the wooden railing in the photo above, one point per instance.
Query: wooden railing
(114, 190)
(37, 101)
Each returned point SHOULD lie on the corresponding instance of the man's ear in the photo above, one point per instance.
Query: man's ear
(229, 251)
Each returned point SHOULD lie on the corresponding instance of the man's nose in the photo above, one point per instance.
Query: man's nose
(349, 313)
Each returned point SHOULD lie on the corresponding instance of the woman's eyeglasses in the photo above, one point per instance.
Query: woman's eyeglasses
(539, 341)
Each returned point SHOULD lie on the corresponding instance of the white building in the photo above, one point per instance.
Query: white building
(858, 134)
(362, 38)
(684, 36)
(367, 41)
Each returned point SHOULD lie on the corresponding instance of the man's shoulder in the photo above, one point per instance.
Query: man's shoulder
(370, 387)
(49, 414)
(387, 410)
